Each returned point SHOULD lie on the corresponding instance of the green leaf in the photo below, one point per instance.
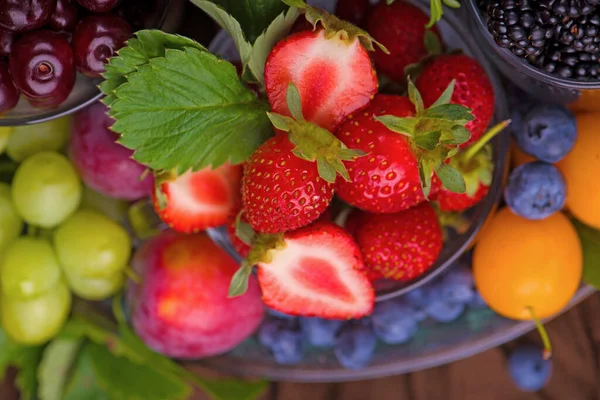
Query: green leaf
(451, 179)
(281, 122)
(254, 16)
(125, 380)
(261, 49)
(189, 110)
(230, 24)
(415, 97)
(590, 242)
(55, 367)
(235, 390)
(350, 154)
(429, 140)
(452, 3)
(404, 126)
(147, 44)
(449, 112)
(460, 134)
(239, 282)
(243, 230)
(436, 11)
(296, 3)
(294, 102)
(425, 172)
(83, 383)
(326, 170)
(432, 43)
(27, 361)
(446, 96)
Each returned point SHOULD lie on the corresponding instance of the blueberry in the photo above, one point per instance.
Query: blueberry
(284, 338)
(355, 346)
(394, 321)
(528, 369)
(477, 302)
(547, 132)
(535, 190)
(278, 314)
(444, 311)
(320, 332)
(457, 285)
(418, 297)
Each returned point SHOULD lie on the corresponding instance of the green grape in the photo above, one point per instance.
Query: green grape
(27, 140)
(46, 189)
(35, 321)
(114, 209)
(91, 245)
(5, 132)
(11, 224)
(96, 288)
(28, 268)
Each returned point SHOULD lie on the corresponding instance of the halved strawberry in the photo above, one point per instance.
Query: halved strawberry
(329, 66)
(316, 273)
(195, 201)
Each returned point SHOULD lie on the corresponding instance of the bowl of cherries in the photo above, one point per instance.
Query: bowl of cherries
(52, 52)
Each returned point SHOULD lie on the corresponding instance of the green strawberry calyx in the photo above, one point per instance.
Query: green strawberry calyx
(435, 134)
(335, 27)
(161, 177)
(312, 142)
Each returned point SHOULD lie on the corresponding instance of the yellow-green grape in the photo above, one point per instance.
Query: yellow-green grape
(38, 320)
(28, 268)
(46, 189)
(11, 224)
(114, 209)
(91, 245)
(5, 132)
(96, 288)
(27, 140)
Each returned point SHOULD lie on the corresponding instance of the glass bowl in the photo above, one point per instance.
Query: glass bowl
(86, 91)
(583, 96)
(456, 37)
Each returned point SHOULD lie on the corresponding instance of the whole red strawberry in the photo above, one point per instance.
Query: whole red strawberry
(401, 246)
(389, 178)
(473, 89)
(400, 27)
(355, 11)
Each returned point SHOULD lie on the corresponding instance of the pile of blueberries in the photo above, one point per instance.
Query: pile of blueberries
(43, 43)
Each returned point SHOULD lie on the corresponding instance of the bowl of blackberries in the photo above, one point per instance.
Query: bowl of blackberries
(52, 52)
(550, 48)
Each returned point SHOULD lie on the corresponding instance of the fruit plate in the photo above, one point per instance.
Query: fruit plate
(456, 37)
(85, 91)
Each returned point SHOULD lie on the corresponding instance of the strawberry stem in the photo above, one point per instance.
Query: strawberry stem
(543, 334)
(489, 135)
(132, 275)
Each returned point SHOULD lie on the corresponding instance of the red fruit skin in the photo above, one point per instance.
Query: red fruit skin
(7, 38)
(25, 15)
(181, 308)
(104, 165)
(9, 94)
(473, 89)
(324, 237)
(65, 16)
(386, 180)
(354, 11)
(334, 78)
(281, 192)
(456, 202)
(199, 200)
(401, 246)
(352, 224)
(400, 27)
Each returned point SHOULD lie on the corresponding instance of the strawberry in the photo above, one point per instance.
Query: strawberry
(473, 89)
(195, 201)
(330, 67)
(476, 166)
(400, 27)
(405, 149)
(354, 11)
(315, 272)
(401, 246)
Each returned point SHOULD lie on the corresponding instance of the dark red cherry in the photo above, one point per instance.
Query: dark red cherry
(97, 38)
(65, 17)
(42, 67)
(7, 39)
(99, 6)
(25, 15)
(9, 94)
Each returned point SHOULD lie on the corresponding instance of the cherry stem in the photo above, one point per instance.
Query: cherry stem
(489, 135)
(543, 334)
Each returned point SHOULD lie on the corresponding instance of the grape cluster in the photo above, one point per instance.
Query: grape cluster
(43, 43)
(52, 244)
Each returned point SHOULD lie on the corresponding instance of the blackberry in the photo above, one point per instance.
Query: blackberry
(570, 8)
(580, 34)
(518, 25)
(567, 62)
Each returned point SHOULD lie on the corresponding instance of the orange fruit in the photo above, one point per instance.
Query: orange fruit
(518, 263)
(580, 168)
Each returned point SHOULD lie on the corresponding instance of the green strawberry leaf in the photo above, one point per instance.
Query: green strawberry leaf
(449, 112)
(239, 282)
(459, 135)
(83, 383)
(446, 95)
(243, 230)
(415, 97)
(253, 16)
(235, 390)
(294, 103)
(326, 170)
(27, 361)
(188, 110)
(55, 367)
(590, 241)
(429, 140)
(451, 179)
(403, 126)
(425, 172)
(432, 43)
(281, 122)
